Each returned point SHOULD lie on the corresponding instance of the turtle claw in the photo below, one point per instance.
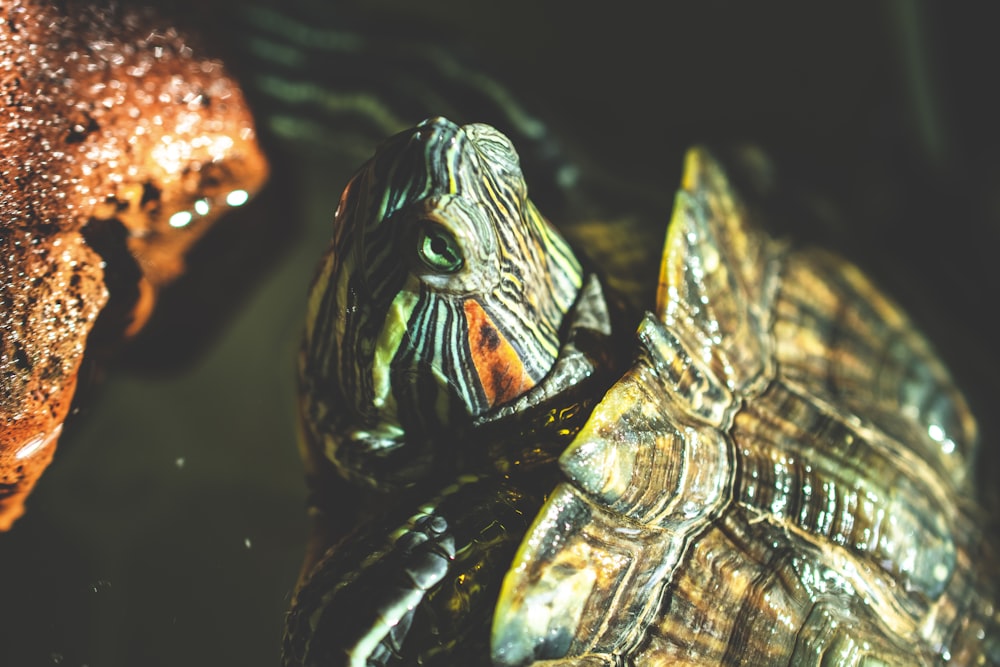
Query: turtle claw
(381, 597)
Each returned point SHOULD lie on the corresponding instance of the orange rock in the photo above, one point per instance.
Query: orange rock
(110, 118)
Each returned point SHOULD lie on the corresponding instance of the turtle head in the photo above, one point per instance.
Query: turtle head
(441, 299)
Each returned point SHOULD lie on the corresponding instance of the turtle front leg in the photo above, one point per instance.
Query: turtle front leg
(423, 593)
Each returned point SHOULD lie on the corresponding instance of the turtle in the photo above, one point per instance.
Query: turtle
(768, 465)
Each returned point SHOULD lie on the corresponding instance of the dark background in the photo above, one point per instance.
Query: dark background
(170, 528)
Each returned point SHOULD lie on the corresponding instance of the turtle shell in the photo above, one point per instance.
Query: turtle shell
(781, 475)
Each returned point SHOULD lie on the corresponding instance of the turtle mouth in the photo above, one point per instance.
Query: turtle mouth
(585, 351)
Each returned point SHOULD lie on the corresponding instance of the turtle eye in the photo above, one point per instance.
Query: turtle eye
(438, 249)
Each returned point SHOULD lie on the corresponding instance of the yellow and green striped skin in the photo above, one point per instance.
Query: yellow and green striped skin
(440, 300)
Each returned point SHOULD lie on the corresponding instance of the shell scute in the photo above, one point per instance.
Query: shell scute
(753, 593)
(719, 275)
(839, 337)
(659, 467)
(806, 465)
(559, 612)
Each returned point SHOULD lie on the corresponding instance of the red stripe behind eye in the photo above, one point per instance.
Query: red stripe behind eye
(501, 372)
